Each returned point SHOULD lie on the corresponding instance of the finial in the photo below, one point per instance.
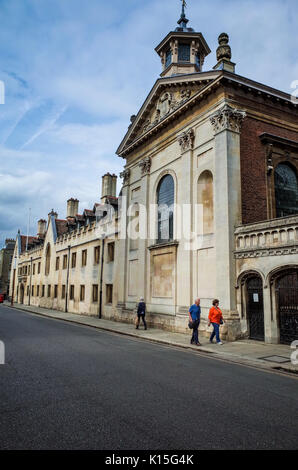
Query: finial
(183, 20)
(224, 54)
(224, 50)
(183, 8)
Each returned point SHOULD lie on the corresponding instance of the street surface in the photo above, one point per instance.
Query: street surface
(66, 386)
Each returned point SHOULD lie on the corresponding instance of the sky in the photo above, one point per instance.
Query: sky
(74, 72)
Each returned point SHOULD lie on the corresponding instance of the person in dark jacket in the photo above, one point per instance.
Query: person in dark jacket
(194, 318)
(141, 313)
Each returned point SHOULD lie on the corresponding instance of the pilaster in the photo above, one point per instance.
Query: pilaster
(185, 225)
(226, 124)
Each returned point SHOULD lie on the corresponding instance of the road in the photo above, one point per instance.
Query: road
(66, 386)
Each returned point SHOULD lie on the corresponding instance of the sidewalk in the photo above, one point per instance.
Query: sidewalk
(275, 357)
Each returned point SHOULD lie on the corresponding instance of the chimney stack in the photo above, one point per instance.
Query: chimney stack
(72, 207)
(41, 228)
(109, 186)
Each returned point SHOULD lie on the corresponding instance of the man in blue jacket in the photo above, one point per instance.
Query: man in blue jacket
(194, 318)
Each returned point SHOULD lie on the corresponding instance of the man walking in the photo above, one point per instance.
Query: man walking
(141, 313)
(194, 318)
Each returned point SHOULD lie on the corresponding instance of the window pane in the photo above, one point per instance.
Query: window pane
(165, 200)
(168, 57)
(184, 52)
(286, 191)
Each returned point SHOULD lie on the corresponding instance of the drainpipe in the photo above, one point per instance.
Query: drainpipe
(101, 275)
(67, 279)
(30, 285)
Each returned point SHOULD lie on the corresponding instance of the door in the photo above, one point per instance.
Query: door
(287, 301)
(255, 308)
(22, 294)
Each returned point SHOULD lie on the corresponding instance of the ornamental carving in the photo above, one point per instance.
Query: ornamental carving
(145, 165)
(185, 94)
(227, 118)
(166, 104)
(186, 140)
(125, 176)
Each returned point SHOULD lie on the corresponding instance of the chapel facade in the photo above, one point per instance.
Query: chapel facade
(208, 208)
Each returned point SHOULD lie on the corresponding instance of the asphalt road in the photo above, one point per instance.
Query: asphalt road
(66, 386)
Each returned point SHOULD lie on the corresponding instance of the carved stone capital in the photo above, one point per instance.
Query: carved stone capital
(125, 176)
(227, 118)
(145, 165)
(186, 140)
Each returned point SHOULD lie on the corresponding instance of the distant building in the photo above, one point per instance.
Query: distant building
(5, 265)
(224, 149)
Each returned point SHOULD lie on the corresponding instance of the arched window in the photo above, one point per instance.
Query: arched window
(286, 190)
(205, 201)
(165, 201)
(48, 260)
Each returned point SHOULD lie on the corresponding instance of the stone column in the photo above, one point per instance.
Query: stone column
(122, 244)
(144, 284)
(226, 123)
(270, 314)
(185, 226)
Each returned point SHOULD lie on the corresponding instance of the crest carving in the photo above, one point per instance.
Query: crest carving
(166, 104)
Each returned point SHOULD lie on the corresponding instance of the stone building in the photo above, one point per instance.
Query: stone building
(208, 207)
(5, 265)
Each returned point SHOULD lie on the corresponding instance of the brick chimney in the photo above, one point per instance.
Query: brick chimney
(72, 207)
(41, 228)
(109, 186)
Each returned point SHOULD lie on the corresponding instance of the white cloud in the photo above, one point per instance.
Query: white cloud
(94, 66)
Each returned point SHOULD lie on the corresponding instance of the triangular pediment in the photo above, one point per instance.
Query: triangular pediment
(166, 97)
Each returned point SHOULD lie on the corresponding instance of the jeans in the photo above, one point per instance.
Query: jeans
(144, 321)
(195, 333)
(215, 332)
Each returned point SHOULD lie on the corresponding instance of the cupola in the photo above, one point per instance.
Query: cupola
(182, 51)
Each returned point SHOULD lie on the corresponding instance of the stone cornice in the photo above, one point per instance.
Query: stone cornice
(279, 141)
(165, 244)
(291, 249)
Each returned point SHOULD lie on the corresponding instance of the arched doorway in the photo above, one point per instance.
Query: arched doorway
(255, 308)
(287, 305)
(22, 291)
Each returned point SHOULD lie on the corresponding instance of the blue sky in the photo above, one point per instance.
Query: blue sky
(75, 71)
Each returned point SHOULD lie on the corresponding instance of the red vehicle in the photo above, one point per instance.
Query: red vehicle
(1, 298)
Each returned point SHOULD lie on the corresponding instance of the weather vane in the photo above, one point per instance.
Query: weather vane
(183, 3)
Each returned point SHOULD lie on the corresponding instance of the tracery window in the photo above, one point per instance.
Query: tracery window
(286, 190)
